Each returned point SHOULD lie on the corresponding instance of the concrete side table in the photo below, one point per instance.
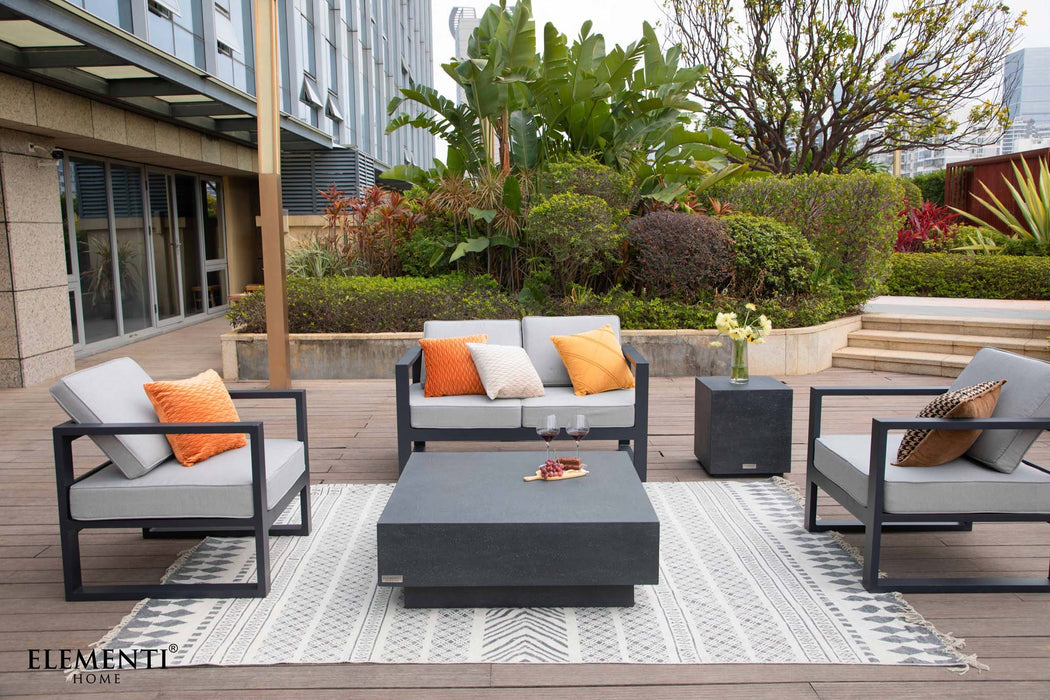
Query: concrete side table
(742, 429)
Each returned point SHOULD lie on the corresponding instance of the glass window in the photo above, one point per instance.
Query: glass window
(87, 187)
(190, 242)
(308, 43)
(214, 234)
(216, 288)
(116, 12)
(73, 317)
(132, 258)
(165, 248)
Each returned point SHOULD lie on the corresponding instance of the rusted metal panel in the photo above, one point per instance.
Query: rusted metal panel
(963, 181)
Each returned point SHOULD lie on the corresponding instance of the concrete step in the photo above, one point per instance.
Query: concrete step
(936, 364)
(945, 343)
(959, 325)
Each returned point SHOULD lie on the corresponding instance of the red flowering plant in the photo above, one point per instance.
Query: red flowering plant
(930, 227)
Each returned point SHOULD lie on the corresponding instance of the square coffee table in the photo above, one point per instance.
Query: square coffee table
(464, 530)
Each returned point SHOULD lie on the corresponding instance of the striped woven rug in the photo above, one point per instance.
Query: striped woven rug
(740, 582)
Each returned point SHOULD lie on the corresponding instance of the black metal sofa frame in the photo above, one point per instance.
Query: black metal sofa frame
(873, 520)
(260, 525)
(408, 371)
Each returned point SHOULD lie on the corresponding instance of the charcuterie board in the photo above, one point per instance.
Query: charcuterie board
(573, 474)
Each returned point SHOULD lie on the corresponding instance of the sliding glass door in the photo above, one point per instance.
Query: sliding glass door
(145, 248)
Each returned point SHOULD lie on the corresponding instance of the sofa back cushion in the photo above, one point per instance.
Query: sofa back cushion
(499, 332)
(536, 332)
(112, 393)
(1026, 394)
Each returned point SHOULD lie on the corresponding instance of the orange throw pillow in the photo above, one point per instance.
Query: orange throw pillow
(200, 399)
(450, 368)
(594, 360)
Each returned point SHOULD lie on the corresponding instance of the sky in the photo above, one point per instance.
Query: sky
(621, 23)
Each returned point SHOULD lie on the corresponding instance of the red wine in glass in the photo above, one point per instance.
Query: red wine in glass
(548, 430)
(578, 430)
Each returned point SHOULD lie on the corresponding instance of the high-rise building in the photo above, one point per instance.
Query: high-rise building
(128, 154)
(462, 22)
(1026, 94)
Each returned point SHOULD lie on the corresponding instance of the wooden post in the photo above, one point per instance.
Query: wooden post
(268, 106)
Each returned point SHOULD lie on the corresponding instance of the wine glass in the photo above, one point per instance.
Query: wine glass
(548, 430)
(578, 430)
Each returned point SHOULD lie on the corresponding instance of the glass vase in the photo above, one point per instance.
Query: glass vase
(739, 374)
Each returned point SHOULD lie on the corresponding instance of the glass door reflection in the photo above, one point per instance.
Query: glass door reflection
(132, 259)
(165, 244)
(189, 225)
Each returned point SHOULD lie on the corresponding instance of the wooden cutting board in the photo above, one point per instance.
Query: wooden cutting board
(573, 474)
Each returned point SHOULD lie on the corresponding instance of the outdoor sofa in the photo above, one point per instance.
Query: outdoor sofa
(992, 482)
(621, 415)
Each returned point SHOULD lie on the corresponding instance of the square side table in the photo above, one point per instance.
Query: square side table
(742, 429)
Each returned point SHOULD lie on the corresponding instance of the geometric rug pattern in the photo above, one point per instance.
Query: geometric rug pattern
(740, 582)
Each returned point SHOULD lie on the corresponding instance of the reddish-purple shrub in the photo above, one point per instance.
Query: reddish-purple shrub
(927, 228)
(680, 255)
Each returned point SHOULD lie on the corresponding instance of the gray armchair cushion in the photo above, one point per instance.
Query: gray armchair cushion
(218, 487)
(112, 393)
(609, 409)
(471, 411)
(536, 332)
(960, 486)
(1026, 394)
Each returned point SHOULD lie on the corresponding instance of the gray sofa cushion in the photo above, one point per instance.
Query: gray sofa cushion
(536, 332)
(610, 409)
(112, 393)
(1026, 394)
(473, 411)
(960, 486)
(218, 487)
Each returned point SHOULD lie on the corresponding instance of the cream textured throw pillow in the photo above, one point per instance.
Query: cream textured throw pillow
(506, 371)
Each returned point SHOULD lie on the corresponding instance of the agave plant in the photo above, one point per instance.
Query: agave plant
(1031, 194)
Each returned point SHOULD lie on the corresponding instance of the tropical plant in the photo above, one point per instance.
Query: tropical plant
(1031, 194)
(926, 228)
(317, 256)
(367, 230)
(98, 279)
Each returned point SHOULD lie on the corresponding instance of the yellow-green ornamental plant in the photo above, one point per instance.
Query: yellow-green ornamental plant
(1032, 196)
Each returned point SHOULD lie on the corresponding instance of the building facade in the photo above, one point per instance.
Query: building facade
(127, 154)
(1026, 94)
(462, 22)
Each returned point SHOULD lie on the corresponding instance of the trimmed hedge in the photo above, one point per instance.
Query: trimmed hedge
(377, 304)
(770, 258)
(385, 304)
(969, 276)
(850, 220)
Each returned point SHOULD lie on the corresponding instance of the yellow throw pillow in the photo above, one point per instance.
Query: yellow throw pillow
(200, 399)
(595, 361)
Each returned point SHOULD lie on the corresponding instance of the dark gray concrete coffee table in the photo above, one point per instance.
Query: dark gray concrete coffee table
(464, 530)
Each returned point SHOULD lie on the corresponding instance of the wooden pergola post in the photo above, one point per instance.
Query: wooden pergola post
(271, 211)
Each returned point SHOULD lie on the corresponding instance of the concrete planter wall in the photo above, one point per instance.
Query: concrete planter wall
(675, 353)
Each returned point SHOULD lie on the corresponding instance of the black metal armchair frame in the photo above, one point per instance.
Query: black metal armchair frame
(408, 371)
(873, 520)
(260, 525)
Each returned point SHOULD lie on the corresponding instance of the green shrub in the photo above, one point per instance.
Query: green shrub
(584, 175)
(426, 250)
(931, 185)
(825, 304)
(680, 256)
(575, 239)
(912, 193)
(377, 304)
(851, 221)
(316, 256)
(770, 258)
(1006, 245)
(969, 276)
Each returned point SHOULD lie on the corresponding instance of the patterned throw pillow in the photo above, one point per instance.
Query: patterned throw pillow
(930, 448)
(506, 371)
(594, 360)
(450, 371)
(200, 399)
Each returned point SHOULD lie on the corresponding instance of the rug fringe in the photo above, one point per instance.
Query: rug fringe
(910, 614)
(119, 627)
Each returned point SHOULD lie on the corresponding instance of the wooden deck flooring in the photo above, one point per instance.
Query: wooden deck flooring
(352, 435)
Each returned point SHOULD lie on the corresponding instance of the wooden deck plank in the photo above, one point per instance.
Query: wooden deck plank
(353, 440)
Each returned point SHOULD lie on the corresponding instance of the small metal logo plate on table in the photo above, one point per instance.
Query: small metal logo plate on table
(391, 578)
(749, 466)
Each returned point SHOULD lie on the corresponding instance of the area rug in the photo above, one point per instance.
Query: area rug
(740, 582)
